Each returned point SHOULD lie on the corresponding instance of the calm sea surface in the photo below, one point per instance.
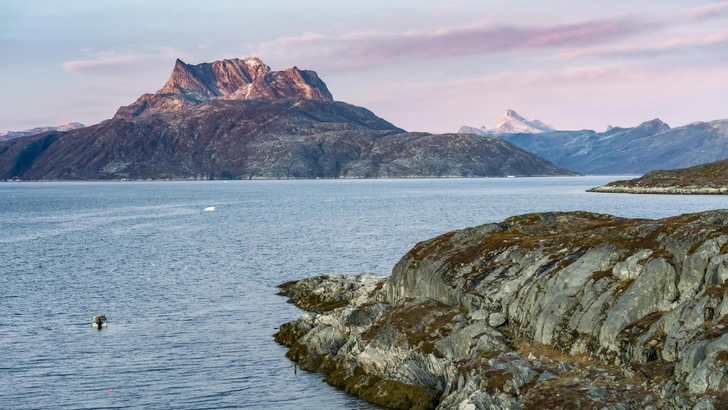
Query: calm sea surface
(190, 295)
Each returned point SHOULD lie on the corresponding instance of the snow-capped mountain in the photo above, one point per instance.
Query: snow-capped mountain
(510, 123)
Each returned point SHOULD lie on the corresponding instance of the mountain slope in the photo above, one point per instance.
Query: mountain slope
(8, 135)
(711, 178)
(510, 123)
(238, 119)
(651, 145)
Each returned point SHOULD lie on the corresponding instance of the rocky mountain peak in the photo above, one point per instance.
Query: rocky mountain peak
(216, 79)
(229, 79)
(654, 126)
(512, 114)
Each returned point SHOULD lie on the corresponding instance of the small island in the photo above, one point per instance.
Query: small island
(703, 179)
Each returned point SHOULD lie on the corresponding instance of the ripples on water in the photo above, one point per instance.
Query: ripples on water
(190, 295)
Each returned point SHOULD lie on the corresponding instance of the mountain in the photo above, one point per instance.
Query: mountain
(711, 179)
(650, 145)
(510, 123)
(235, 79)
(8, 135)
(237, 119)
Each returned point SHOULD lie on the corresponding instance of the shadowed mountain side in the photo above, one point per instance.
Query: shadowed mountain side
(651, 145)
(8, 135)
(243, 139)
(237, 119)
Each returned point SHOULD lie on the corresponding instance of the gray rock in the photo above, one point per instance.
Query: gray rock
(545, 376)
(497, 319)
(638, 294)
(707, 403)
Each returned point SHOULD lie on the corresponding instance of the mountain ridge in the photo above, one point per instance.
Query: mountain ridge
(650, 145)
(8, 135)
(237, 119)
(230, 79)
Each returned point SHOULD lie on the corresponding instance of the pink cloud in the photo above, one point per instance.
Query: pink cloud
(373, 49)
(675, 45)
(362, 50)
(709, 12)
(105, 60)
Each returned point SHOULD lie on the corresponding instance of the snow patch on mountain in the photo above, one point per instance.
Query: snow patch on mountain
(510, 123)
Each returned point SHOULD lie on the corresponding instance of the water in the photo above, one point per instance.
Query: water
(190, 295)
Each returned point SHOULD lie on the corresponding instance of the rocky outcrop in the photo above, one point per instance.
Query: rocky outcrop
(638, 150)
(551, 310)
(236, 119)
(704, 179)
(8, 135)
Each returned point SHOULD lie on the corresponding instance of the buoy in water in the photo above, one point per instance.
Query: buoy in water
(111, 390)
(99, 322)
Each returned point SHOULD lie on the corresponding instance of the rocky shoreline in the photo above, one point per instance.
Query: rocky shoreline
(704, 179)
(550, 310)
(660, 190)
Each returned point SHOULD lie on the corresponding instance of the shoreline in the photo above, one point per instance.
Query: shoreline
(290, 179)
(659, 190)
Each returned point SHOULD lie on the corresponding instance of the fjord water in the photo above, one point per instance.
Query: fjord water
(190, 295)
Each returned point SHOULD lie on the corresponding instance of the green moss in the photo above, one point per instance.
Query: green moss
(287, 334)
(635, 329)
(487, 354)
(623, 285)
(524, 220)
(496, 379)
(416, 321)
(695, 247)
(376, 289)
(383, 392)
(424, 249)
(718, 290)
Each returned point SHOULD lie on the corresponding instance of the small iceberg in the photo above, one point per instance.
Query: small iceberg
(209, 208)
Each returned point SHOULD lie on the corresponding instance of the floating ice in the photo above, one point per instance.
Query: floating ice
(210, 208)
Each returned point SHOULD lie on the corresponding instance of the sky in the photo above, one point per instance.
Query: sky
(423, 65)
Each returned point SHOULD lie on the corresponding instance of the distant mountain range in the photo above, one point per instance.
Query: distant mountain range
(510, 123)
(8, 135)
(238, 119)
(650, 145)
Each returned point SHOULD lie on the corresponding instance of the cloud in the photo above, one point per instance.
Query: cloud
(363, 50)
(372, 49)
(709, 12)
(672, 46)
(104, 60)
(444, 8)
